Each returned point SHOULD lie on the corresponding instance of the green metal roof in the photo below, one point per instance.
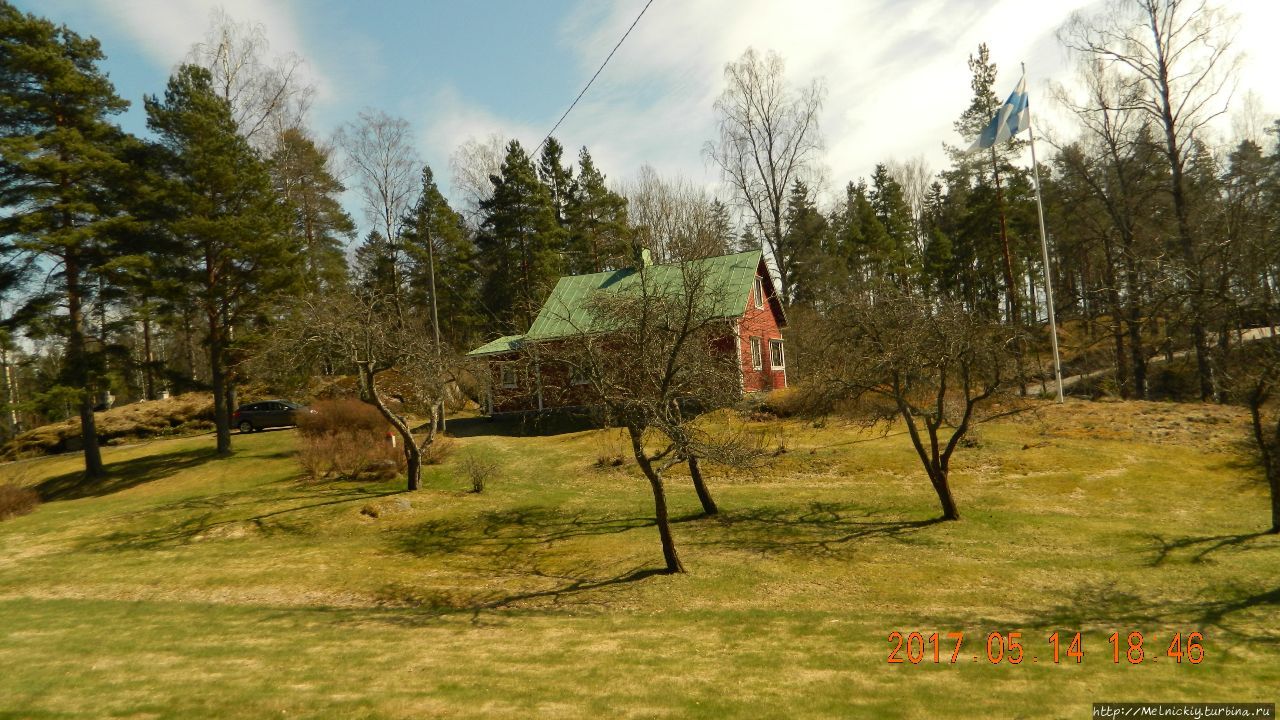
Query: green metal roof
(565, 312)
(503, 344)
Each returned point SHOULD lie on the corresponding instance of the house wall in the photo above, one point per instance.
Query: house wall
(762, 323)
(550, 378)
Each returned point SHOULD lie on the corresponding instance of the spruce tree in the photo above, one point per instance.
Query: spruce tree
(517, 244)
(442, 260)
(557, 177)
(806, 230)
(599, 236)
(61, 176)
(231, 249)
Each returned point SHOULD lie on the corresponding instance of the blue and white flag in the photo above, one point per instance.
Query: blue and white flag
(1013, 117)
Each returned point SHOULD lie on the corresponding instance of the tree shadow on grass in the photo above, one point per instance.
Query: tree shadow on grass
(818, 528)
(1200, 549)
(122, 475)
(213, 523)
(582, 587)
(501, 533)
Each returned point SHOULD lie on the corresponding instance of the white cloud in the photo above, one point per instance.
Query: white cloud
(166, 31)
(896, 74)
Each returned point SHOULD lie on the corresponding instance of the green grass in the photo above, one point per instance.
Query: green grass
(188, 586)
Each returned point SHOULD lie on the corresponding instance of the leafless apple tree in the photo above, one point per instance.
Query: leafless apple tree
(393, 356)
(654, 355)
(905, 358)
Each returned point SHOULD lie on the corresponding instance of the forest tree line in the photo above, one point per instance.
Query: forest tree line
(137, 265)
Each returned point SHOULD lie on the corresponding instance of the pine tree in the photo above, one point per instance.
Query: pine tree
(442, 260)
(231, 245)
(517, 244)
(597, 221)
(318, 223)
(61, 175)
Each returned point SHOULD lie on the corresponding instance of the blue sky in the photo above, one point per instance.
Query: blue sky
(895, 71)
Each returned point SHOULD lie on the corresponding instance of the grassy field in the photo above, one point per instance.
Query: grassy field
(186, 586)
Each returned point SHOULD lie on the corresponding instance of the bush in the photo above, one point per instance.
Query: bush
(784, 403)
(479, 470)
(343, 415)
(346, 439)
(16, 500)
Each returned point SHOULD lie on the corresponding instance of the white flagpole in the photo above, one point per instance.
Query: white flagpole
(1044, 253)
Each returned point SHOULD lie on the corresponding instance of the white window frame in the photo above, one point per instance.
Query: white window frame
(509, 370)
(781, 354)
(758, 291)
(757, 353)
(578, 376)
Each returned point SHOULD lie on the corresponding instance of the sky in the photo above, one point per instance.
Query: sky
(895, 71)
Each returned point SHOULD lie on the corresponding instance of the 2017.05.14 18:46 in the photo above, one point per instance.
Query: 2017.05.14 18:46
(915, 647)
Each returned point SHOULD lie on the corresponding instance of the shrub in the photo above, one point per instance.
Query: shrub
(343, 415)
(16, 500)
(346, 439)
(783, 403)
(478, 469)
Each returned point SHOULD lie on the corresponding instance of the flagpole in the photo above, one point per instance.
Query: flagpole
(1044, 253)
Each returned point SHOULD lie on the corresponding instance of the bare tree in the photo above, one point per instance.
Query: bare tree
(267, 95)
(675, 219)
(1177, 58)
(650, 352)
(1113, 160)
(930, 365)
(768, 138)
(472, 164)
(393, 357)
(380, 153)
(914, 177)
(1250, 120)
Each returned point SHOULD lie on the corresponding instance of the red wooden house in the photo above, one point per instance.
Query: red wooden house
(745, 296)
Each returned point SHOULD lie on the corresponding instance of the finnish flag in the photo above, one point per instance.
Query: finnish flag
(1014, 117)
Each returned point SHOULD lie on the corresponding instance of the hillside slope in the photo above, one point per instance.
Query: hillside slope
(187, 586)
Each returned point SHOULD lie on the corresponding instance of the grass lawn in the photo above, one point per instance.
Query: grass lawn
(188, 586)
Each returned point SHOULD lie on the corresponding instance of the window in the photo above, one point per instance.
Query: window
(756, 360)
(578, 376)
(758, 292)
(776, 360)
(509, 376)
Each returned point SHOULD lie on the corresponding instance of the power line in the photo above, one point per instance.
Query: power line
(593, 79)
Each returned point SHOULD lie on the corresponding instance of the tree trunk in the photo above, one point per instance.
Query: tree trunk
(659, 503)
(941, 485)
(1010, 289)
(217, 383)
(704, 495)
(148, 359)
(78, 363)
(412, 454)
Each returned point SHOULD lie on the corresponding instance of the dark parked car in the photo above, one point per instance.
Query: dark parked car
(266, 414)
